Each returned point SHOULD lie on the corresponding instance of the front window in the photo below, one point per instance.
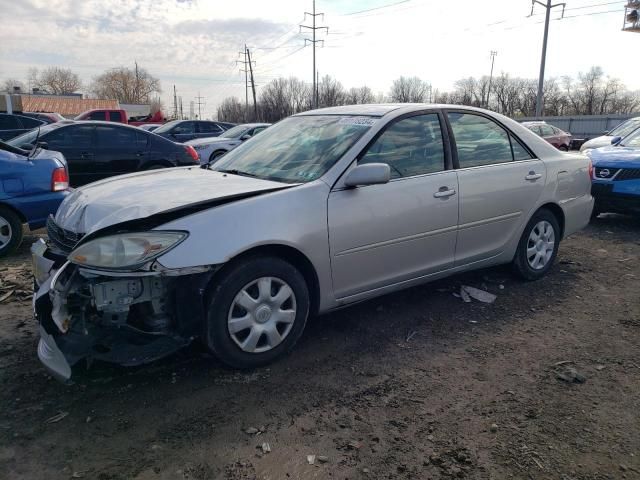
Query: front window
(632, 140)
(236, 132)
(167, 126)
(625, 128)
(297, 149)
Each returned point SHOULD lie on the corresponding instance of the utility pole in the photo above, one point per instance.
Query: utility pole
(175, 103)
(548, 6)
(245, 63)
(253, 87)
(313, 42)
(181, 112)
(199, 103)
(493, 57)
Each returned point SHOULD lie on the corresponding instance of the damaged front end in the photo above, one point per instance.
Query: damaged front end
(124, 317)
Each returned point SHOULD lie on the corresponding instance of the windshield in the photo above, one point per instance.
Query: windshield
(632, 140)
(297, 149)
(625, 128)
(167, 126)
(235, 132)
(29, 138)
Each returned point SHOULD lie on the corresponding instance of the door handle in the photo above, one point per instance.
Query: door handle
(444, 192)
(533, 176)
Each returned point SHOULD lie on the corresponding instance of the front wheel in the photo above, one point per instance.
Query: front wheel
(538, 246)
(257, 312)
(10, 231)
(563, 148)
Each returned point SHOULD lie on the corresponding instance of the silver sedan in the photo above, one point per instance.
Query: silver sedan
(322, 210)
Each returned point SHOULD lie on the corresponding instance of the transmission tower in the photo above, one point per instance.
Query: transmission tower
(200, 103)
(246, 69)
(313, 42)
(493, 58)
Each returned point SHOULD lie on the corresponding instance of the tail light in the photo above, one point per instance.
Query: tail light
(59, 179)
(590, 169)
(192, 153)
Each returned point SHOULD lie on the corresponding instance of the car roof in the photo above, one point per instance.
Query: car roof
(381, 109)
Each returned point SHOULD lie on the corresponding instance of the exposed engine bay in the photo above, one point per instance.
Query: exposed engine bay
(128, 318)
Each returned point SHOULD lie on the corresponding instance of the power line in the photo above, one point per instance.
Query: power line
(313, 42)
(376, 8)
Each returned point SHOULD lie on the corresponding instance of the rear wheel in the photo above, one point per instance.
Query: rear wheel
(564, 148)
(10, 231)
(538, 246)
(257, 312)
(215, 156)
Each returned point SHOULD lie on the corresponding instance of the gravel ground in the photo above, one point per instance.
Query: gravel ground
(542, 384)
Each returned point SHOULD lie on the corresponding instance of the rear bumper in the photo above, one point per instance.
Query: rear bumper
(577, 213)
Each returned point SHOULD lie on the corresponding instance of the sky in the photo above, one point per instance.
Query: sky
(194, 44)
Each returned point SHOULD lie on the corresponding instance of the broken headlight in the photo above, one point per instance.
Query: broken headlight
(125, 250)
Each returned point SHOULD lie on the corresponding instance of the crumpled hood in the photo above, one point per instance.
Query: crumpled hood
(140, 195)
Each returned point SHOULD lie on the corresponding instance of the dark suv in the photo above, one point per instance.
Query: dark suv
(183, 130)
(95, 150)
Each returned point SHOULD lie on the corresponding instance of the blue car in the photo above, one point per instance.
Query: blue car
(616, 176)
(32, 186)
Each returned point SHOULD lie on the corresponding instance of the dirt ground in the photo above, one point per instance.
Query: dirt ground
(417, 384)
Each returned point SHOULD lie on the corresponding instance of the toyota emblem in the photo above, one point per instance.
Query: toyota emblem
(604, 173)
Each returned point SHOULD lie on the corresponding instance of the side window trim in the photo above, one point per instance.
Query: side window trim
(510, 134)
(448, 164)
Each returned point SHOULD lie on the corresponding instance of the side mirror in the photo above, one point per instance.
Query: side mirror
(244, 137)
(616, 140)
(43, 145)
(368, 174)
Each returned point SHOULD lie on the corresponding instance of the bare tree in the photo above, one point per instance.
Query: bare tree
(126, 85)
(359, 95)
(330, 92)
(55, 80)
(409, 90)
(231, 110)
(9, 84)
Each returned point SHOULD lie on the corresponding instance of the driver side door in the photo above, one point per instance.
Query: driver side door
(380, 235)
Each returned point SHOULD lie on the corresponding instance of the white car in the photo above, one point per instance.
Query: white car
(212, 148)
(622, 130)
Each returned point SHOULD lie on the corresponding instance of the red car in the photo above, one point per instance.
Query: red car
(556, 137)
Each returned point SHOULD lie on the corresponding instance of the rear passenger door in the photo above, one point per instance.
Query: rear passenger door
(117, 150)
(76, 143)
(500, 182)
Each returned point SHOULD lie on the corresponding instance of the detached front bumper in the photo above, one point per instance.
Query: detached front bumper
(129, 319)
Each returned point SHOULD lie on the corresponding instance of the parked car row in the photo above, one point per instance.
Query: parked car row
(97, 150)
(322, 210)
(211, 149)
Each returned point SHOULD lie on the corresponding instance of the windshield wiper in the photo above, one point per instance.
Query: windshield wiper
(234, 171)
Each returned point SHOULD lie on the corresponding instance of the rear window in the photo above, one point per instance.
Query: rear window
(115, 116)
(101, 115)
(8, 122)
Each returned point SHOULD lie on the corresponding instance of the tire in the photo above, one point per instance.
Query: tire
(215, 156)
(564, 148)
(533, 260)
(595, 212)
(244, 338)
(10, 231)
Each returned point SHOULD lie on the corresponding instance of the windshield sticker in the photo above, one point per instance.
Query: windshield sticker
(358, 121)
